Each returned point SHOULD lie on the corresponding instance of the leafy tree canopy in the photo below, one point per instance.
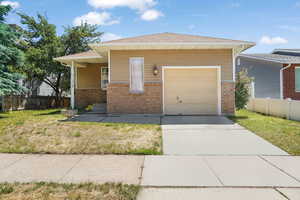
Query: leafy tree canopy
(42, 44)
(76, 39)
(11, 56)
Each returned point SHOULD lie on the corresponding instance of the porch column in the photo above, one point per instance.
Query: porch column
(72, 85)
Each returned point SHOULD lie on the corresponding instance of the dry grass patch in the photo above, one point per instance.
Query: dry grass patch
(47, 132)
(54, 191)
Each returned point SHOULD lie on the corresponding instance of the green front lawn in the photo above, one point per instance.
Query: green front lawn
(45, 131)
(281, 132)
(55, 191)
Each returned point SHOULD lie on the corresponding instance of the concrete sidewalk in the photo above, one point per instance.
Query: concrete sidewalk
(219, 194)
(167, 171)
(70, 168)
(207, 177)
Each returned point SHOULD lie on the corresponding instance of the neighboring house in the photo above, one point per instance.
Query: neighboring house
(40, 88)
(45, 90)
(166, 73)
(36, 88)
(276, 75)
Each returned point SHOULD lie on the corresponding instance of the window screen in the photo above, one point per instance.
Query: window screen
(136, 66)
(104, 78)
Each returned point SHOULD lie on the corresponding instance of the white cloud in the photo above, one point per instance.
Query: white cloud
(96, 18)
(150, 15)
(110, 36)
(273, 40)
(143, 7)
(13, 4)
(235, 5)
(133, 4)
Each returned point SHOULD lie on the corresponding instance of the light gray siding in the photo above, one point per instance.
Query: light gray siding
(266, 76)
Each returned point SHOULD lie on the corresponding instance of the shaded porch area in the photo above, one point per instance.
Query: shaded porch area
(89, 79)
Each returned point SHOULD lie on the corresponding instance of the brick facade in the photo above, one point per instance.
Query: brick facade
(150, 102)
(289, 90)
(85, 97)
(228, 98)
(120, 100)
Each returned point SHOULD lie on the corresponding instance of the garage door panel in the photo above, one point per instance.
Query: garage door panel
(191, 109)
(191, 91)
(186, 88)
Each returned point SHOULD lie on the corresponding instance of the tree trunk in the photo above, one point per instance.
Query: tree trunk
(57, 98)
(57, 92)
(56, 87)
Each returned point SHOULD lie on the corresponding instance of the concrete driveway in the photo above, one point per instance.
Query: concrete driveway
(211, 135)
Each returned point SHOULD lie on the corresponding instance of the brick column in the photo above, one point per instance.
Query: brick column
(228, 98)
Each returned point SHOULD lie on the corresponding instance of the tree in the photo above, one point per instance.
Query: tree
(11, 57)
(242, 92)
(76, 39)
(42, 44)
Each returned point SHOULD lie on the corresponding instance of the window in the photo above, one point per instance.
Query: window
(136, 67)
(104, 78)
(297, 79)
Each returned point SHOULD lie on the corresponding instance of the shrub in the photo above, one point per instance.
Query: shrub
(89, 108)
(6, 189)
(242, 92)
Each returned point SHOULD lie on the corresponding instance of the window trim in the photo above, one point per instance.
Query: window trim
(102, 86)
(295, 79)
(143, 71)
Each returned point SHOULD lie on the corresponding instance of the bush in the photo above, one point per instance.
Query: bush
(6, 189)
(89, 108)
(242, 92)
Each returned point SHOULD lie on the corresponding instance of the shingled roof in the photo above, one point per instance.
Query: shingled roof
(277, 58)
(287, 50)
(173, 38)
(87, 54)
(156, 41)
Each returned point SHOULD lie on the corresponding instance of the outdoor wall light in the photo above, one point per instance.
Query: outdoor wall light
(155, 70)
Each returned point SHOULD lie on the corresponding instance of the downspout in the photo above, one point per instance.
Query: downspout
(72, 86)
(281, 79)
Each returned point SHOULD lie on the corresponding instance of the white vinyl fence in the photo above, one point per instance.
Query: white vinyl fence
(287, 108)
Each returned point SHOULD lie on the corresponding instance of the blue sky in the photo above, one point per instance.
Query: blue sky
(269, 23)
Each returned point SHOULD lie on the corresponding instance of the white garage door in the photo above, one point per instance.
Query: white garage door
(191, 91)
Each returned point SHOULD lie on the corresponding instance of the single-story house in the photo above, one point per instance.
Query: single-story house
(165, 73)
(276, 75)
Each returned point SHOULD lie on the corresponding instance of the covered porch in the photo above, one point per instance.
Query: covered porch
(89, 79)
